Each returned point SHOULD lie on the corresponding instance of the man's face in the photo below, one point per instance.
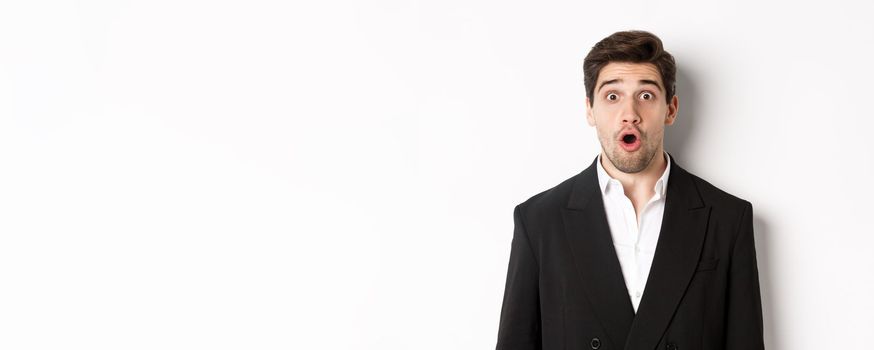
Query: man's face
(629, 98)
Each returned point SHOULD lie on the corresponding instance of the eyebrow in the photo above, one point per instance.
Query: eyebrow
(641, 81)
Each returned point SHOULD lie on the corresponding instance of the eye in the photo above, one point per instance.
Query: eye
(612, 97)
(646, 95)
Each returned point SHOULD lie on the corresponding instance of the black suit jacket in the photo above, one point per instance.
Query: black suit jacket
(565, 288)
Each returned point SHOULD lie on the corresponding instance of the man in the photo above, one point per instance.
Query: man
(634, 252)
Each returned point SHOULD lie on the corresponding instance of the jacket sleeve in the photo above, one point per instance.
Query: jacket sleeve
(743, 327)
(519, 327)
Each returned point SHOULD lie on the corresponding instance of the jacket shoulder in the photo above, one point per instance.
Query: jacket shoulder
(716, 196)
(551, 198)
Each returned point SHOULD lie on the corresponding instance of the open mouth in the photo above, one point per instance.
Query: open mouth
(630, 142)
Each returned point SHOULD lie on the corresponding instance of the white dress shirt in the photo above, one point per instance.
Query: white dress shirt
(635, 242)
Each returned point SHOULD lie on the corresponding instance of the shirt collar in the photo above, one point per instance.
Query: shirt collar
(660, 187)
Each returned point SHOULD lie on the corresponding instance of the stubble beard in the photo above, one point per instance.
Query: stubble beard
(631, 162)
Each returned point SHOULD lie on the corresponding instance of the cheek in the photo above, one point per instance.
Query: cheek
(655, 109)
(603, 116)
(604, 136)
(655, 135)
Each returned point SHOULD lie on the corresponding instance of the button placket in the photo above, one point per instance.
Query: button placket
(632, 225)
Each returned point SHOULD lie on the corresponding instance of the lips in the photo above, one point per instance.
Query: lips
(629, 140)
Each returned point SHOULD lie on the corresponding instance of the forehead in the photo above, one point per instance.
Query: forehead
(629, 73)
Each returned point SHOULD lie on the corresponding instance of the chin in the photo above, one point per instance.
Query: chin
(631, 163)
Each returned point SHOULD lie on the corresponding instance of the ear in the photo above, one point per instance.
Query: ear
(589, 116)
(673, 108)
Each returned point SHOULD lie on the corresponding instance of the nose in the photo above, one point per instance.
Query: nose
(629, 113)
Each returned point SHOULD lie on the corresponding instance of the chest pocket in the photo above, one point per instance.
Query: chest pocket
(707, 264)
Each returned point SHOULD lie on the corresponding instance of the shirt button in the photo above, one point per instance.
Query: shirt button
(637, 294)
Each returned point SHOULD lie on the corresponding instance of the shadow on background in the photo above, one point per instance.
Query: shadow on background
(677, 135)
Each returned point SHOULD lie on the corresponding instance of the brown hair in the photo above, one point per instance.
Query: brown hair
(634, 46)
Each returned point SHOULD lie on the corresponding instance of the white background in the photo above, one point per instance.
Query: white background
(342, 174)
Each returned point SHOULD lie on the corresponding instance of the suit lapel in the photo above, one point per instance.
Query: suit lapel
(677, 251)
(588, 235)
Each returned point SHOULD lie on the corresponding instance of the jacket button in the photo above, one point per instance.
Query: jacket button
(671, 346)
(596, 343)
